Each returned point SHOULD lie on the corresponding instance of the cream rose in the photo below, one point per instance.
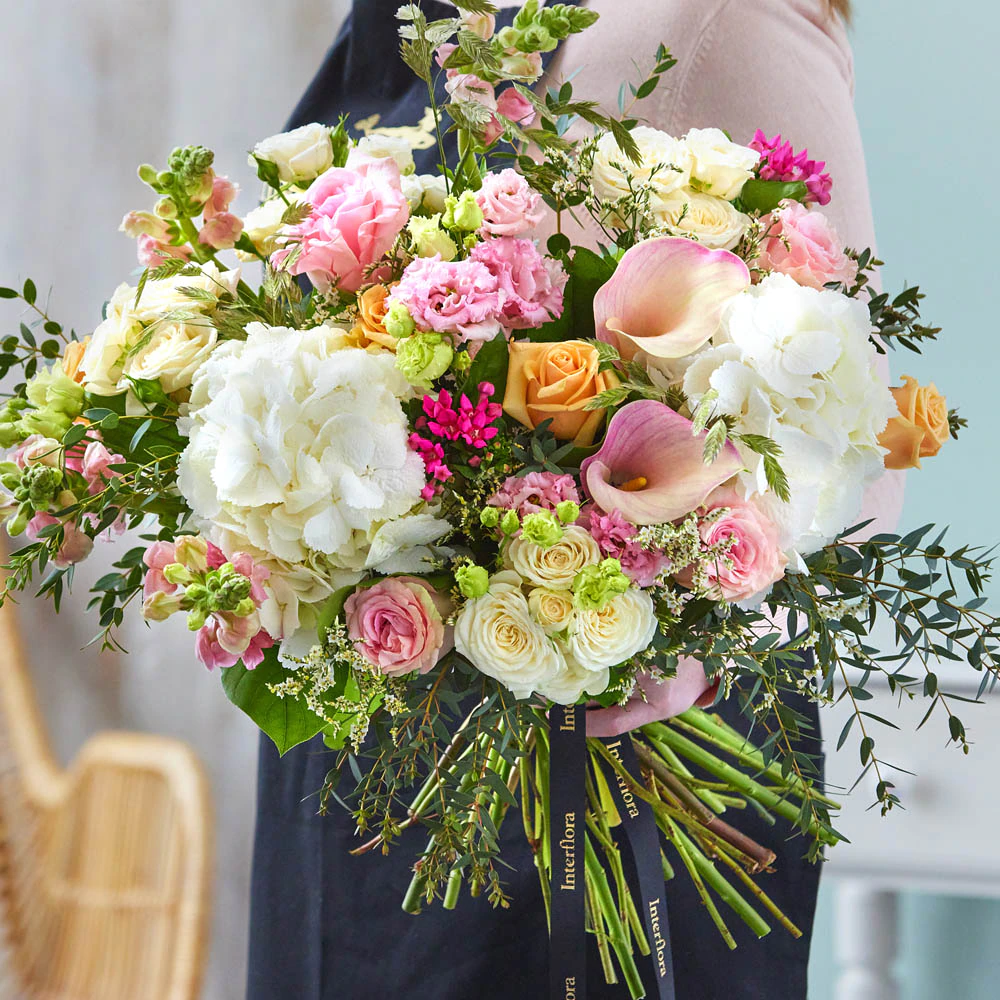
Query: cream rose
(167, 335)
(555, 567)
(300, 155)
(498, 636)
(623, 627)
(718, 166)
(712, 221)
(552, 609)
(659, 154)
(382, 147)
(262, 224)
(570, 685)
(424, 191)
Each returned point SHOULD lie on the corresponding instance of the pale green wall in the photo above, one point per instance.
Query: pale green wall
(928, 86)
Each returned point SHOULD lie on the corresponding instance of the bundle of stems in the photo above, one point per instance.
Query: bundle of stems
(693, 770)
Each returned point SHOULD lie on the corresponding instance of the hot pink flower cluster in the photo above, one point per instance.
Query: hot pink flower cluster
(469, 424)
(779, 162)
(535, 491)
(804, 245)
(531, 285)
(509, 204)
(616, 539)
(357, 214)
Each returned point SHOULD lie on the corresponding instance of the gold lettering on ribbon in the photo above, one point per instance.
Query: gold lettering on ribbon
(419, 136)
(568, 847)
(659, 942)
(628, 799)
(570, 988)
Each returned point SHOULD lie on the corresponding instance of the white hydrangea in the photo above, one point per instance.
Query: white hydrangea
(298, 451)
(795, 364)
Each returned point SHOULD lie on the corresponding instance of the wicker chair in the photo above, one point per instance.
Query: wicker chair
(104, 867)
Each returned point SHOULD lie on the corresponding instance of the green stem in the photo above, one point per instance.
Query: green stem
(597, 921)
(453, 890)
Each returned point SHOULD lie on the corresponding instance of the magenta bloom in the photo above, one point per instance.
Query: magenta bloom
(460, 297)
(535, 491)
(650, 466)
(357, 214)
(667, 296)
(779, 162)
(398, 625)
(531, 286)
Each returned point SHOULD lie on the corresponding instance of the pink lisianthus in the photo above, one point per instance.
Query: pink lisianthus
(515, 108)
(460, 297)
(221, 231)
(94, 466)
(225, 639)
(155, 253)
(804, 245)
(223, 193)
(36, 449)
(509, 204)
(398, 624)
(76, 544)
(357, 214)
(531, 286)
(157, 558)
(616, 538)
(535, 491)
(755, 560)
(779, 162)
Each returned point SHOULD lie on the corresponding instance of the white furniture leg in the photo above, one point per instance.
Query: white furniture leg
(866, 942)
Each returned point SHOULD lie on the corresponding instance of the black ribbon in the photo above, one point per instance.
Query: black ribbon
(567, 809)
(640, 828)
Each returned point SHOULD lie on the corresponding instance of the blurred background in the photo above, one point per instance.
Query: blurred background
(91, 90)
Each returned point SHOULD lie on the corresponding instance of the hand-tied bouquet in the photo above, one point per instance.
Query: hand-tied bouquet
(461, 480)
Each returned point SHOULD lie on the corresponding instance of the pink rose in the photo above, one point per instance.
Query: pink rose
(461, 297)
(357, 215)
(535, 491)
(805, 246)
(223, 193)
(509, 204)
(531, 285)
(398, 625)
(515, 108)
(76, 544)
(755, 560)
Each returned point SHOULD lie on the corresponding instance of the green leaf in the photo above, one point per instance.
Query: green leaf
(765, 196)
(285, 720)
(587, 272)
(330, 609)
(489, 365)
(8, 293)
(30, 293)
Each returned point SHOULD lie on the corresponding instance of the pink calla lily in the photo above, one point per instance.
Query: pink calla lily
(666, 297)
(649, 449)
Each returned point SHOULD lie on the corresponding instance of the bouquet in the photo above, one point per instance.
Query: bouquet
(446, 496)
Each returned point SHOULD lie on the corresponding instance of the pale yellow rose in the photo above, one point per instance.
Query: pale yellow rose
(552, 609)
(556, 566)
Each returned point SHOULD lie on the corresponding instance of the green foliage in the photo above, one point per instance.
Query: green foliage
(765, 196)
(489, 365)
(587, 272)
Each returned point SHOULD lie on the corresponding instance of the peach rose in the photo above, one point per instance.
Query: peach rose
(73, 358)
(921, 427)
(556, 381)
(372, 309)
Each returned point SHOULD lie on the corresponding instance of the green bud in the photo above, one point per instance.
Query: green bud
(165, 178)
(430, 239)
(510, 522)
(473, 581)
(177, 574)
(462, 212)
(398, 322)
(11, 433)
(147, 174)
(197, 594)
(423, 357)
(158, 607)
(166, 208)
(196, 618)
(17, 524)
(507, 38)
(542, 529)
(536, 39)
(567, 511)
(596, 586)
(470, 241)
(489, 517)
(42, 482)
(245, 608)
(461, 362)
(192, 551)
(526, 16)
(10, 480)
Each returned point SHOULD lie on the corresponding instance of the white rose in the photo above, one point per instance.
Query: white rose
(426, 191)
(623, 627)
(498, 636)
(552, 609)
(556, 566)
(664, 163)
(167, 335)
(714, 222)
(382, 147)
(718, 166)
(300, 155)
(568, 686)
(263, 224)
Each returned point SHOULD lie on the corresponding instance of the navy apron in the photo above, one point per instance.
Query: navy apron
(328, 926)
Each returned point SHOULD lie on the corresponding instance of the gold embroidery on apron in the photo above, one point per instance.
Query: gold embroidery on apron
(419, 136)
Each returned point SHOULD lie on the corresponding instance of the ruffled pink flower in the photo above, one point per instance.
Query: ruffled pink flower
(223, 193)
(225, 639)
(221, 231)
(154, 253)
(76, 544)
(754, 562)
(357, 214)
(157, 558)
(94, 466)
(535, 491)
(515, 108)
(779, 162)
(509, 204)
(804, 245)
(398, 624)
(616, 539)
(531, 285)
(460, 297)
